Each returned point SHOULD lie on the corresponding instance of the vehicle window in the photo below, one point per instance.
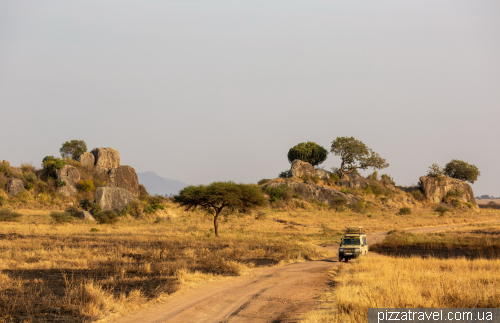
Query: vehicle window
(351, 242)
(364, 241)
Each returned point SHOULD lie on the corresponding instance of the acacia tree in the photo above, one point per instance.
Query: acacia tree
(73, 149)
(461, 170)
(309, 152)
(355, 155)
(218, 196)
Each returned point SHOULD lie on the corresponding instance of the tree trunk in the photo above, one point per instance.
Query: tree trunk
(216, 224)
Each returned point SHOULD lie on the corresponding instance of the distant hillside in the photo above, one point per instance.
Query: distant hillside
(156, 184)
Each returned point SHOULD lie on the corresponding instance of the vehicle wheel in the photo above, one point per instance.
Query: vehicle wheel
(346, 259)
(340, 258)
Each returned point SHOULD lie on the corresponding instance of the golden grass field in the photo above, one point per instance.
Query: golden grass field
(414, 281)
(83, 271)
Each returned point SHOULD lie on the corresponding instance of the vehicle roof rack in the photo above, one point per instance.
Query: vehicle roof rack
(354, 230)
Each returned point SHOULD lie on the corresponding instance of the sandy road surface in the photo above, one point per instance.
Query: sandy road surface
(276, 294)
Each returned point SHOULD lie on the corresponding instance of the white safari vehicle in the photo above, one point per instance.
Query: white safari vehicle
(353, 244)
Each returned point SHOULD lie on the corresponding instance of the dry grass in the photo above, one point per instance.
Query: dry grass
(385, 282)
(83, 271)
(476, 241)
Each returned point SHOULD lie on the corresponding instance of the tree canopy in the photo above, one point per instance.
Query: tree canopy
(73, 149)
(309, 152)
(355, 155)
(461, 170)
(218, 196)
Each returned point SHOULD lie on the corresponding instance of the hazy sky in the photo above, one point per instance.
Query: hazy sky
(204, 91)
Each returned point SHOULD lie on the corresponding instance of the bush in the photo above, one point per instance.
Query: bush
(418, 195)
(134, 208)
(338, 203)
(334, 178)
(309, 152)
(263, 181)
(442, 210)
(2, 200)
(95, 208)
(157, 199)
(62, 217)
(387, 180)
(86, 186)
(85, 204)
(358, 207)
(9, 216)
(280, 193)
(435, 170)
(29, 178)
(60, 184)
(317, 203)
(456, 203)
(285, 174)
(143, 193)
(153, 208)
(51, 164)
(404, 211)
(455, 194)
(30, 186)
(106, 217)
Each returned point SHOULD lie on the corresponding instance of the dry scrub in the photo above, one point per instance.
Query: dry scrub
(415, 282)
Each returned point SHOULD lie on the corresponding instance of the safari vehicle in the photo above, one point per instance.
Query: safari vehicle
(353, 244)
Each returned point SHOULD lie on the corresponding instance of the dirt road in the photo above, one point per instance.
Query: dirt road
(276, 294)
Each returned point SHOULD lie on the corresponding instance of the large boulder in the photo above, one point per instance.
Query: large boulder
(87, 159)
(71, 177)
(301, 168)
(86, 215)
(15, 186)
(106, 157)
(313, 191)
(124, 177)
(353, 180)
(113, 198)
(323, 174)
(436, 188)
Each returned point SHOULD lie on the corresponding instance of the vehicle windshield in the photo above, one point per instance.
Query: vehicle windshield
(355, 242)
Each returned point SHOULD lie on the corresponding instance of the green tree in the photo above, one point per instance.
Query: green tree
(461, 170)
(435, 170)
(218, 196)
(309, 152)
(73, 149)
(51, 164)
(355, 155)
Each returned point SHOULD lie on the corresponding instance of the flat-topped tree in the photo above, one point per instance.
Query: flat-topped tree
(461, 170)
(309, 152)
(355, 155)
(218, 196)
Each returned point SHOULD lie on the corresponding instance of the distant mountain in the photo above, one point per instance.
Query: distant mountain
(156, 184)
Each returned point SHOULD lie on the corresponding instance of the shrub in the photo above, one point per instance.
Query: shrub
(51, 164)
(374, 188)
(404, 211)
(263, 181)
(2, 200)
(461, 170)
(309, 152)
(143, 193)
(455, 194)
(435, 170)
(317, 203)
(338, 203)
(106, 217)
(29, 178)
(387, 180)
(74, 211)
(95, 208)
(358, 207)
(157, 199)
(62, 217)
(134, 208)
(418, 195)
(30, 186)
(334, 178)
(28, 168)
(285, 174)
(60, 184)
(442, 210)
(95, 230)
(456, 203)
(9, 216)
(73, 149)
(153, 208)
(85, 204)
(280, 193)
(86, 186)
(374, 176)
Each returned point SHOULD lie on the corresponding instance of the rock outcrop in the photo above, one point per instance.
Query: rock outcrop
(15, 186)
(301, 168)
(124, 177)
(85, 215)
(71, 177)
(312, 191)
(436, 188)
(353, 180)
(113, 198)
(106, 157)
(87, 159)
(323, 174)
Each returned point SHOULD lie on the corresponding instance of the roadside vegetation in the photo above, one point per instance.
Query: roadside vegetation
(387, 282)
